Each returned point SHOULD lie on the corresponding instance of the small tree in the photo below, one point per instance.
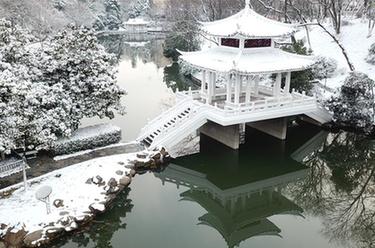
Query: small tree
(324, 68)
(183, 36)
(353, 107)
(371, 55)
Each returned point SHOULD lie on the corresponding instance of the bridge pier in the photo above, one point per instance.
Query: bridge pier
(227, 135)
(188, 146)
(274, 127)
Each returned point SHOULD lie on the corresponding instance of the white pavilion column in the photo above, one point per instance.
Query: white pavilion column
(287, 82)
(277, 86)
(248, 90)
(237, 89)
(204, 80)
(214, 77)
(229, 88)
(256, 86)
(209, 88)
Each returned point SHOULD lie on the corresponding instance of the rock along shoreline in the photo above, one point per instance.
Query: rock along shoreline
(80, 192)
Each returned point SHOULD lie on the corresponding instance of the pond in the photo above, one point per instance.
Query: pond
(314, 190)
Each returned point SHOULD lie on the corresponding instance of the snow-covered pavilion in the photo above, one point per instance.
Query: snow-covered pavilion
(234, 90)
(247, 50)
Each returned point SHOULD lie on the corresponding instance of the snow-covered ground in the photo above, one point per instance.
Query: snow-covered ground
(354, 39)
(21, 209)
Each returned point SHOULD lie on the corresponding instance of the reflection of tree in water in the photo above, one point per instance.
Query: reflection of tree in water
(145, 48)
(175, 80)
(341, 188)
(112, 44)
(100, 233)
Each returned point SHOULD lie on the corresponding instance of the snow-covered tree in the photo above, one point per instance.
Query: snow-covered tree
(324, 68)
(371, 55)
(45, 90)
(112, 18)
(140, 7)
(353, 107)
(59, 4)
(74, 61)
(183, 36)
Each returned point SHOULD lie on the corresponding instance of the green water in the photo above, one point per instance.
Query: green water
(317, 189)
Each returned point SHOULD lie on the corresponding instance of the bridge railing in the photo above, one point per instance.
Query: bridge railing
(154, 123)
(191, 116)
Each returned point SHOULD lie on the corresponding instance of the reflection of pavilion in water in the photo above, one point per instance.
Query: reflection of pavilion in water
(144, 47)
(241, 212)
(240, 196)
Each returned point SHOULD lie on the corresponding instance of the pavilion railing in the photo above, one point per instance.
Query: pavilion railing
(199, 112)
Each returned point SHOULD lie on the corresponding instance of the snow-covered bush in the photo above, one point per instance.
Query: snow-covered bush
(353, 106)
(371, 55)
(324, 68)
(88, 138)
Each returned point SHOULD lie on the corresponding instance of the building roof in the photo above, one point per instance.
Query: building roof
(247, 61)
(249, 24)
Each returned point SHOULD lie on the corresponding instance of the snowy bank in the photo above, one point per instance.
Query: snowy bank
(79, 193)
(88, 138)
(354, 39)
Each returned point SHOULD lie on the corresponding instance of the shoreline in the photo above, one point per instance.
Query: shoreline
(100, 181)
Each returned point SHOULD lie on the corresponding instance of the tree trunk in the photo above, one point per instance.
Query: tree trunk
(286, 11)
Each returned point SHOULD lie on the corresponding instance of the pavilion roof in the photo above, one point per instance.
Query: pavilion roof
(247, 61)
(249, 24)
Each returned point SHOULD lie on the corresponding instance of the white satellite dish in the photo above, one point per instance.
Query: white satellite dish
(43, 195)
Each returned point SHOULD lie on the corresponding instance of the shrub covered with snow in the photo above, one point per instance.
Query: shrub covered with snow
(353, 106)
(88, 138)
(324, 68)
(371, 55)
